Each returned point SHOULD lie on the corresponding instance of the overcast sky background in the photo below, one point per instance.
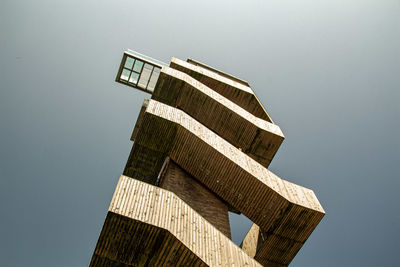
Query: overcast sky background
(328, 73)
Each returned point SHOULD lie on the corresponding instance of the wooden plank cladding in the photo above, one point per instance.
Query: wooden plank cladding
(237, 92)
(250, 241)
(226, 75)
(205, 141)
(150, 226)
(191, 133)
(196, 195)
(127, 242)
(288, 213)
(258, 138)
(259, 244)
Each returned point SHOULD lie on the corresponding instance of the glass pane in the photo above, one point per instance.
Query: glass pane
(148, 66)
(145, 76)
(153, 79)
(129, 62)
(125, 74)
(134, 77)
(138, 66)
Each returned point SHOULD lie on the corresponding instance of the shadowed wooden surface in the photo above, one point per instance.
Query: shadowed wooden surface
(237, 92)
(150, 226)
(219, 140)
(287, 212)
(258, 138)
(196, 195)
(259, 244)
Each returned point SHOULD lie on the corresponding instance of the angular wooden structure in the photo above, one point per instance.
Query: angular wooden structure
(150, 226)
(201, 147)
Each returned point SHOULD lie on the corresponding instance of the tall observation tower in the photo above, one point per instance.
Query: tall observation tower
(201, 147)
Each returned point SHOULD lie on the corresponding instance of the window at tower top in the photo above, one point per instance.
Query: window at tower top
(139, 71)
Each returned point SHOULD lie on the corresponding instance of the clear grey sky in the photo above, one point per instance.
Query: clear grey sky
(328, 72)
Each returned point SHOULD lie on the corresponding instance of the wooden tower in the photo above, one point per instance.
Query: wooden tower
(201, 147)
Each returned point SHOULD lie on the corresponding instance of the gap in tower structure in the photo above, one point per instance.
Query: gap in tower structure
(201, 147)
